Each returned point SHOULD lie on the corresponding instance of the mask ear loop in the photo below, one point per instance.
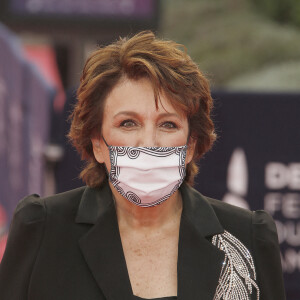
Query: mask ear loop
(105, 142)
(107, 173)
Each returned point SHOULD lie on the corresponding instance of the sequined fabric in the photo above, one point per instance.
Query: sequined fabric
(238, 277)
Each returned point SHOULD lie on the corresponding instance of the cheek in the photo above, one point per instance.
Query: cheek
(119, 139)
(171, 140)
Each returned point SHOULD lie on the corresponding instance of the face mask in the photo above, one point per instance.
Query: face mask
(147, 176)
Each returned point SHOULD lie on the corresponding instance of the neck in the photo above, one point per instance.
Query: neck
(143, 218)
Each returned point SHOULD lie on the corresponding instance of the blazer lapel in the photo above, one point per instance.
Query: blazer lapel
(101, 245)
(199, 262)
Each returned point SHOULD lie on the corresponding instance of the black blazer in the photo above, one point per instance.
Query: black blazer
(68, 246)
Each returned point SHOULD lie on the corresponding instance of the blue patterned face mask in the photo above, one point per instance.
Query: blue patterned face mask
(147, 176)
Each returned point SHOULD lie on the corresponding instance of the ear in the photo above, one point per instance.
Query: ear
(97, 149)
(190, 150)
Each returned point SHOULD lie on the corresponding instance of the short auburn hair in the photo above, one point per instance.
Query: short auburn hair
(169, 69)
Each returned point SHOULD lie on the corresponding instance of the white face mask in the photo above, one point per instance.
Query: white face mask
(147, 176)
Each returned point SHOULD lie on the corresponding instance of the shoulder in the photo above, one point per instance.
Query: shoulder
(244, 223)
(34, 208)
(231, 215)
(233, 219)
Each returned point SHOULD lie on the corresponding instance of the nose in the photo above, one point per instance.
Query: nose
(148, 137)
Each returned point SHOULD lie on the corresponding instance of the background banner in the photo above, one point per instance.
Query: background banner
(25, 102)
(255, 163)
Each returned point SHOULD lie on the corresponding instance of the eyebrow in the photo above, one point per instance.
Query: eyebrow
(134, 114)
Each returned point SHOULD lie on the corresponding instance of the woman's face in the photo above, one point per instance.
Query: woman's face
(130, 118)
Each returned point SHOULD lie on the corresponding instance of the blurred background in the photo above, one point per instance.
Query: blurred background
(250, 51)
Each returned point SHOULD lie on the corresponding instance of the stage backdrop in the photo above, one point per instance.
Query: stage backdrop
(255, 163)
(25, 102)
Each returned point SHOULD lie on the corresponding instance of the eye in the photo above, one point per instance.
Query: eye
(169, 125)
(128, 123)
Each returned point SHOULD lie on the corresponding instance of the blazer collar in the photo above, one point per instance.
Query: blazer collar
(199, 262)
(199, 212)
(101, 246)
(94, 203)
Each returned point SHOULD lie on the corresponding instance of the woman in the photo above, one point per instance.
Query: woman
(139, 230)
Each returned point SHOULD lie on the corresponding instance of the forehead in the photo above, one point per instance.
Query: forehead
(137, 95)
